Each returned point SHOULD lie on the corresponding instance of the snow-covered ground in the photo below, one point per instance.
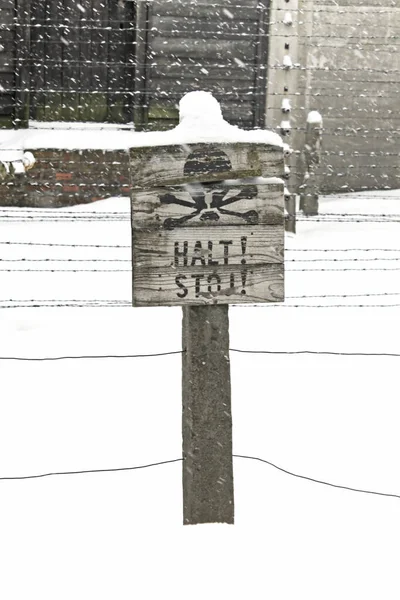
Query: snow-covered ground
(334, 418)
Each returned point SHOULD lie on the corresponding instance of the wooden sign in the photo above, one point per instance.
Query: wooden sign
(156, 166)
(208, 241)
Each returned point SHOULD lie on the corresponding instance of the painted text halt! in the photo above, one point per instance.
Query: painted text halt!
(208, 242)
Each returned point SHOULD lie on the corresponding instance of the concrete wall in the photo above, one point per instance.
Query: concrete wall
(351, 63)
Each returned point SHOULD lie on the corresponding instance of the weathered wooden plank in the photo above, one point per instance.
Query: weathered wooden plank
(200, 205)
(186, 69)
(230, 284)
(202, 11)
(175, 165)
(218, 28)
(161, 86)
(203, 47)
(210, 247)
(234, 108)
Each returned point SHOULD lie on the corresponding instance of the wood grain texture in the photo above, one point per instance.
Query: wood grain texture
(172, 165)
(207, 472)
(260, 204)
(208, 247)
(196, 285)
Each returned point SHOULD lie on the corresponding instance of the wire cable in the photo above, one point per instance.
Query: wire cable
(52, 474)
(238, 350)
(315, 352)
(175, 460)
(341, 487)
(88, 356)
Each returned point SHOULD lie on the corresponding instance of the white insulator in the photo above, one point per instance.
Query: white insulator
(287, 150)
(286, 105)
(286, 169)
(285, 127)
(286, 192)
(287, 62)
(288, 19)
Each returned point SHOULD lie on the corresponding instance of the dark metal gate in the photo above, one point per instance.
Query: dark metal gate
(217, 47)
(132, 60)
(82, 60)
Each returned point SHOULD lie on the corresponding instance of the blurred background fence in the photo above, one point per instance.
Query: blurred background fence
(269, 63)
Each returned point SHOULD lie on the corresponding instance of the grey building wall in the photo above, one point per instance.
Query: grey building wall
(351, 57)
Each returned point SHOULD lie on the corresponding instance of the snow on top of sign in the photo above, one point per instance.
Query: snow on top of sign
(255, 181)
(314, 117)
(200, 121)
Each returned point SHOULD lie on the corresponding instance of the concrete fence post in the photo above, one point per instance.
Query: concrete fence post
(312, 158)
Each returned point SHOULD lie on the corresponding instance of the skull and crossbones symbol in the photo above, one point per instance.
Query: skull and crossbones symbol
(208, 201)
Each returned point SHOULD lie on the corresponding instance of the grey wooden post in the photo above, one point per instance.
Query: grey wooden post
(206, 417)
(195, 246)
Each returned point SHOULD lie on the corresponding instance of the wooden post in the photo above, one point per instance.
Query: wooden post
(207, 231)
(312, 157)
(206, 417)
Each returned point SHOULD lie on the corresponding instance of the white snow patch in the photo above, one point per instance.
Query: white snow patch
(105, 535)
(200, 121)
(314, 117)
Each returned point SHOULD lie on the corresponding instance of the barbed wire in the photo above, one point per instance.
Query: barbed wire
(129, 260)
(342, 249)
(129, 246)
(37, 303)
(57, 245)
(279, 305)
(249, 305)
